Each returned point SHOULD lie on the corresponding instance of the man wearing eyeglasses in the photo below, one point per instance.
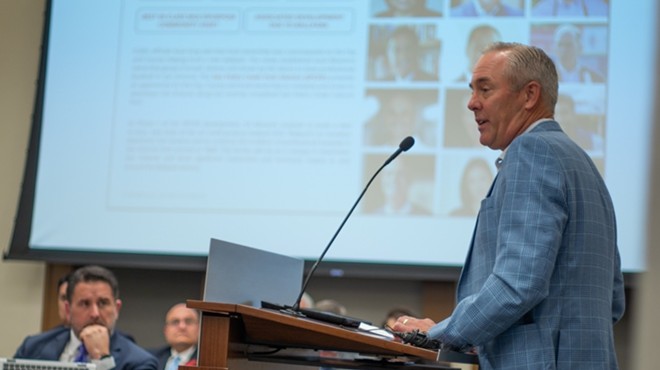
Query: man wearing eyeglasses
(181, 332)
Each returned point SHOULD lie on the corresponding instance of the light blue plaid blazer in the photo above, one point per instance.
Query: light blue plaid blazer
(542, 285)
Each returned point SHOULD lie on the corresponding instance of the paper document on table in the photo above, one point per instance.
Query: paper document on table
(375, 331)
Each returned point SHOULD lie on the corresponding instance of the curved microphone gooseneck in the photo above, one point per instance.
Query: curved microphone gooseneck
(405, 144)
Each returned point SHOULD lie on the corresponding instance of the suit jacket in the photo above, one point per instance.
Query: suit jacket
(50, 344)
(163, 354)
(542, 285)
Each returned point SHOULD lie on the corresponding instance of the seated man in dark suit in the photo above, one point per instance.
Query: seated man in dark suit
(92, 308)
(181, 332)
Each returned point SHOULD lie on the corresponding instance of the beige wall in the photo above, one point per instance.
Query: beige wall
(21, 283)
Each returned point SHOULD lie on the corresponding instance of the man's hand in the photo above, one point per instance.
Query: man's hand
(96, 339)
(405, 324)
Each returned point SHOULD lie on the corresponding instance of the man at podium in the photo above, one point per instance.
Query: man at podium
(542, 285)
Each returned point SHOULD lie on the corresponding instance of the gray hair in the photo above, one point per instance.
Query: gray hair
(529, 63)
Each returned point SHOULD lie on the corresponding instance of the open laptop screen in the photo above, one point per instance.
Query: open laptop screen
(245, 275)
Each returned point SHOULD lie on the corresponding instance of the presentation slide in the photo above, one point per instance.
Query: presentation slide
(165, 123)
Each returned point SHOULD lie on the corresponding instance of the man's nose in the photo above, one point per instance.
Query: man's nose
(95, 310)
(472, 103)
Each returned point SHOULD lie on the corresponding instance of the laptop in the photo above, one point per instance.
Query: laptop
(244, 275)
(28, 364)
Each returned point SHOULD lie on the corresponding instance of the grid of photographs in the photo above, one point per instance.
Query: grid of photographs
(419, 62)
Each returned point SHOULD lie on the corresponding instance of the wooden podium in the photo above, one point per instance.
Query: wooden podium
(234, 336)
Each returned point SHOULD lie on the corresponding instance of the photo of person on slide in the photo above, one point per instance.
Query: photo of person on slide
(401, 113)
(408, 8)
(402, 188)
(398, 54)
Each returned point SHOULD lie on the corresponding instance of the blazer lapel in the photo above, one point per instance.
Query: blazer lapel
(56, 348)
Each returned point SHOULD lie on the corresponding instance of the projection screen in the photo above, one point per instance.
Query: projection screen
(160, 124)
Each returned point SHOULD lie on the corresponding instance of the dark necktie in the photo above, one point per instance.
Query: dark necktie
(81, 354)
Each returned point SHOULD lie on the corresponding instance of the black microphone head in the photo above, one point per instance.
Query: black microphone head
(407, 143)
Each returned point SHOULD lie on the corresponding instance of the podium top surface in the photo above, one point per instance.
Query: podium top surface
(281, 330)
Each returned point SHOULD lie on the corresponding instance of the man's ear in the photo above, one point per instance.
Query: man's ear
(118, 304)
(532, 93)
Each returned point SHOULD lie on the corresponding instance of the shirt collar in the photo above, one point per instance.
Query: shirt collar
(69, 352)
(183, 355)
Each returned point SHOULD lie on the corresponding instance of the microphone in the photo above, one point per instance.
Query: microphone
(405, 144)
